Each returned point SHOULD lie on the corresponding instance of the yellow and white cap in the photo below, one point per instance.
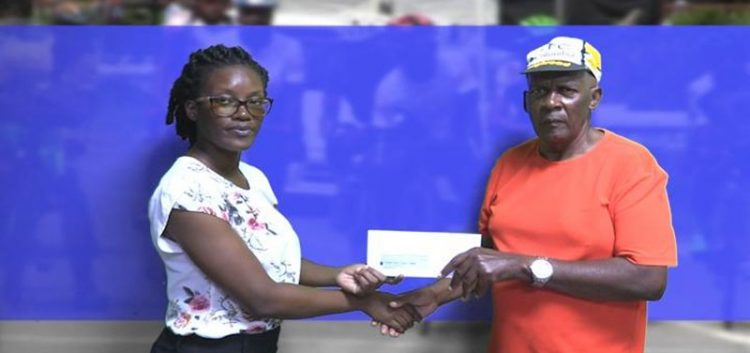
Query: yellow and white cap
(565, 54)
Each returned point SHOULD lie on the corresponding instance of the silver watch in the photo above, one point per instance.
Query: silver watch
(541, 272)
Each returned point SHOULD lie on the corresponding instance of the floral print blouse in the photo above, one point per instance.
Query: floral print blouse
(196, 305)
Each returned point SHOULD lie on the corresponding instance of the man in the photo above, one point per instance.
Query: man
(576, 224)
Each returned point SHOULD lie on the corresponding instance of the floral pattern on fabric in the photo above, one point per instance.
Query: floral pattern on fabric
(197, 305)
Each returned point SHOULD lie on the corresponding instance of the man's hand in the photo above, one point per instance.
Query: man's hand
(361, 280)
(476, 269)
(379, 306)
(424, 300)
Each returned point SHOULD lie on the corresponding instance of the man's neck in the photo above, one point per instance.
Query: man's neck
(569, 149)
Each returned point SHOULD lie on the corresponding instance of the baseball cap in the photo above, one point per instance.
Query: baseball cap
(565, 54)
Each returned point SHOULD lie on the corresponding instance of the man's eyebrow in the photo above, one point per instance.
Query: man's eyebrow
(571, 83)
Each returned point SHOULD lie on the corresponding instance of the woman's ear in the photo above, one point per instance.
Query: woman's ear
(191, 109)
(596, 97)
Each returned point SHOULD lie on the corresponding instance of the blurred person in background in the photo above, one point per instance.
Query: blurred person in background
(233, 260)
(412, 19)
(118, 12)
(83, 12)
(69, 13)
(255, 12)
(611, 12)
(576, 224)
(176, 12)
(15, 12)
(198, 13)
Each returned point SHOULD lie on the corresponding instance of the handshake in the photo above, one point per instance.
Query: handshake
(393, 314)
(474, 272)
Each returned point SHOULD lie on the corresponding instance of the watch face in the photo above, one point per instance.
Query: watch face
(541, 268)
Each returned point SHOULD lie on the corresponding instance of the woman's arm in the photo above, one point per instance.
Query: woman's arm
(316, 275)
(358, 279)
(217, 250)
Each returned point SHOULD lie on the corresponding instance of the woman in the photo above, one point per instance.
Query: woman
(233, 262)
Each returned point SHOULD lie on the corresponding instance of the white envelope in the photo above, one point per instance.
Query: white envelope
(416, 254)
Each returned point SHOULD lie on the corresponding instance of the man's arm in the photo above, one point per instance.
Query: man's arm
(616, 278)
(610, 279)
(474, 272)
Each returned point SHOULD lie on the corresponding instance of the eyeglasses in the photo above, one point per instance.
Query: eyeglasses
(226, 106)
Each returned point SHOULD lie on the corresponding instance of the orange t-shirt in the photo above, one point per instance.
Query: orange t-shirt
(608, 202)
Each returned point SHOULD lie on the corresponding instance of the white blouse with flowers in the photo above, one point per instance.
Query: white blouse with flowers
(196, 304)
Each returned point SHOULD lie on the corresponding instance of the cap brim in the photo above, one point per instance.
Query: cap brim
(552, 68)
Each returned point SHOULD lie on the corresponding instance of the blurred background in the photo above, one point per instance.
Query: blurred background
(380, 103)
(376, 12)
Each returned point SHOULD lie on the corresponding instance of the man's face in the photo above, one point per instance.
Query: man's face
(211, 11)
(560, 104)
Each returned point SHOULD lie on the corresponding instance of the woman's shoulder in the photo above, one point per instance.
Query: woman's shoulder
(184, 171)
(182, 183)
(185, 167)
(258, 180)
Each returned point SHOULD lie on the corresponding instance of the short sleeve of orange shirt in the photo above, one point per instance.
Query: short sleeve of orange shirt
(641, 214)
(609, 202)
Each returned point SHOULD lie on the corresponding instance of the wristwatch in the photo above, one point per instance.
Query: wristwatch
(541, 272)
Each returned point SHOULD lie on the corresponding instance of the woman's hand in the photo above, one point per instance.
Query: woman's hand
(398, 320)
(361, 280)
(424, 300)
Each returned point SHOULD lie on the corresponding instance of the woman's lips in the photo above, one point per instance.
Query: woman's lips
(242, 131)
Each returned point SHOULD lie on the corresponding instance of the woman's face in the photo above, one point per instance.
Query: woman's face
(235, 132)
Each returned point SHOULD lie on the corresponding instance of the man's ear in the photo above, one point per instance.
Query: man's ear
(191, 110)
(596, 97)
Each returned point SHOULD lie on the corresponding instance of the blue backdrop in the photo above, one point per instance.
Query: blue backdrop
(390, 128)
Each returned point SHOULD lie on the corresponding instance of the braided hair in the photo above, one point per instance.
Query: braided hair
(194, 74)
